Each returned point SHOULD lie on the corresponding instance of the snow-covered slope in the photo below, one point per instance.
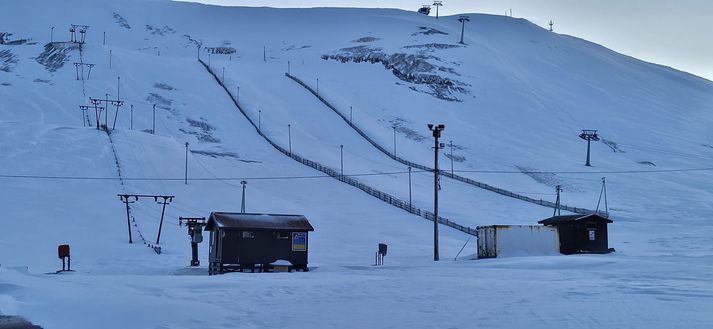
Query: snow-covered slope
(513, 99)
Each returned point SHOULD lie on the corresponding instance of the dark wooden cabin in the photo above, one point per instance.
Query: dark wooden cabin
(580, 234)
(243, 241)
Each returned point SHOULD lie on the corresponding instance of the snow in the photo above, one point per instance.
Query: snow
(526, 94)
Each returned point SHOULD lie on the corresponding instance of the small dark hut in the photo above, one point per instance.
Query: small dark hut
(243, 241)
(580, 234)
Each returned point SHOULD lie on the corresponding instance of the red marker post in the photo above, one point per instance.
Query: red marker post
(63, 252)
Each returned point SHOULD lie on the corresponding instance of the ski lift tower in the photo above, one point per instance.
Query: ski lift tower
(589, 135)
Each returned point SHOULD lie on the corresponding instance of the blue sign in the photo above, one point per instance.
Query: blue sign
(299, 241)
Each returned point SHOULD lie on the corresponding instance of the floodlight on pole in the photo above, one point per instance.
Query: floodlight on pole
(589, 135)
(463, 19)
(436, 129)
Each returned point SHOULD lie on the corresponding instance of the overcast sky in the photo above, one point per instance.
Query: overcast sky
(676, 33)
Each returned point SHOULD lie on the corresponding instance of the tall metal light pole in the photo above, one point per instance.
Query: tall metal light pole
(436, 129)
(341, 159)
(242, 204)
(589, 136)
(186, 176)
(289, 137)
(437, 4)
(463, 19)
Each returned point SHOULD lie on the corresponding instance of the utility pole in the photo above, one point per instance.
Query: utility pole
(437, 4)
(436, 129)
(242, 204)
(186, 175)
(289, 137)
(341, 159)
(451, 143)
(394, 140)
(604, 193)
(589, 136)
(410, 204)
(131, 117)
(195, 228)
(557, 202)
(463, 19)
(153, 122)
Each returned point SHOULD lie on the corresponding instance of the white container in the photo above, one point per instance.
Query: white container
(517, 240)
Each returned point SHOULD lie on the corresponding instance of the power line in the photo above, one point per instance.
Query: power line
(62, 177)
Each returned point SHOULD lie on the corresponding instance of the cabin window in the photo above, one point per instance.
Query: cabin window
(283, 235)
(248, 234)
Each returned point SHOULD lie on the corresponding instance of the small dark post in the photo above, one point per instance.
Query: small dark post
(242, 204)
(223, 75)
(317, 86)
(104, 39)
(199, 51)
(350, 115)
(589, 136)
(264, 53)
(110, 58)
(551, 23)
(186, 176)
(237, 95)
(436, 129)
(289, 137)
(288, 67)
(410, 204)
(259, 118)
(51, 34)
(341, 159)
(153, 122)
(208, 59)
(463, 19)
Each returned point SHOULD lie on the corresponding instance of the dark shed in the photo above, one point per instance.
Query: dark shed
(240, 241)
(581, 233)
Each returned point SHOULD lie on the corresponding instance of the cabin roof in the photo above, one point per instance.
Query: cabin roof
(256, 222)
(566, 219)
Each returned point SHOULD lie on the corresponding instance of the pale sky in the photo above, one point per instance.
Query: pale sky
(675, 33)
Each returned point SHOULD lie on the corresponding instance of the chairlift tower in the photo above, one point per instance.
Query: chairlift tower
(437, 4)
(463, 19)
(551, 24)
(589, 135)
